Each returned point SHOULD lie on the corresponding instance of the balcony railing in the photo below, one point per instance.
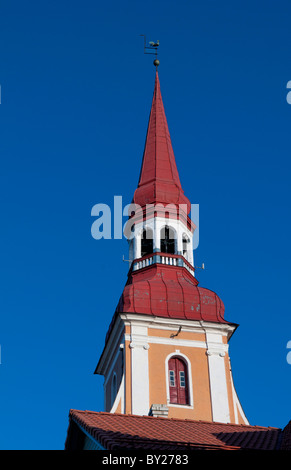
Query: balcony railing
(162, 258)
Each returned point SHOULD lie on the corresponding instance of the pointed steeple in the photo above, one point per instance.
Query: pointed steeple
(159, 180)
(162, 306)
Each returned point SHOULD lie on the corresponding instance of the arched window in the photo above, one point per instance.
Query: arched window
(178, 381)
(168, 240)
(147, 242)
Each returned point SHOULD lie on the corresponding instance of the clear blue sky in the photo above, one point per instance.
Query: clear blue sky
(76, 91)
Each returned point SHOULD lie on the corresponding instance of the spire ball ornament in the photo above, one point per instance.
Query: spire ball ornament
(156, 62)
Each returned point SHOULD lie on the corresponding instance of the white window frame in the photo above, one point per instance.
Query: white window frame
(189, 376)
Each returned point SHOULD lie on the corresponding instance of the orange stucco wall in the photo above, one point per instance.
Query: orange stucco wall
(187, 335)
(200, 381)
(200, 409)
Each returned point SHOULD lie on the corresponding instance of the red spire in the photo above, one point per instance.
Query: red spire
(159, 180)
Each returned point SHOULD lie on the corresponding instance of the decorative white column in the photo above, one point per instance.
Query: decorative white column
(218, 387)
(139, 370)
(179, 240)
(190, 252)
(157, 240)
(137, 246)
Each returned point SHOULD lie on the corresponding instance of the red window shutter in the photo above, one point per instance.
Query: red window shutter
(178, 381)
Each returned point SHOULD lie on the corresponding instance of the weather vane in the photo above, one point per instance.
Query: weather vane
(152, 48)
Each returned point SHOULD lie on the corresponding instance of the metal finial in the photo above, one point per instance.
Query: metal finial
(152, 49)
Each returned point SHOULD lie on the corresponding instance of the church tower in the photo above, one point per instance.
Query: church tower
(166, 350)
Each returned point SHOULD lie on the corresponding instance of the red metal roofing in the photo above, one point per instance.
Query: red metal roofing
(159, 180)
(118, 431)
(167, 291)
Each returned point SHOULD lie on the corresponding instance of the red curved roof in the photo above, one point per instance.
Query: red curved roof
(167, 291)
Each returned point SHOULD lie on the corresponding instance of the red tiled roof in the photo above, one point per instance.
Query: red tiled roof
(120, 431)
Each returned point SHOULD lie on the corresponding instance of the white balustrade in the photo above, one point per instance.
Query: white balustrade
(169, 260)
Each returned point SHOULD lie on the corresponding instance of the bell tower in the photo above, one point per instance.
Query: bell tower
(166, 350)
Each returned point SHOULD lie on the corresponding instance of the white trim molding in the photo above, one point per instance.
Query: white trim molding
(140, 400)
(216, 350)
(170, 341)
